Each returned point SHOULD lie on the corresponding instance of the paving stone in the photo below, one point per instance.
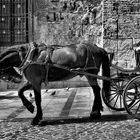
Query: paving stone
(74, 124)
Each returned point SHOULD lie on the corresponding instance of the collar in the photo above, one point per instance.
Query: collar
(27, 59)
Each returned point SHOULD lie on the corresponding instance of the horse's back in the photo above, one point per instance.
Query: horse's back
(69, 55)
(75, 55)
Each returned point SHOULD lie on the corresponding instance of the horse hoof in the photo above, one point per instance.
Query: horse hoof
(35, 122)
(31, 108)
(95, 115)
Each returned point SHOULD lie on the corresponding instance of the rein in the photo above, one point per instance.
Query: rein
(78, 71)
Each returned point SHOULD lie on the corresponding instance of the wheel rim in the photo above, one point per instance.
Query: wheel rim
(132, 97)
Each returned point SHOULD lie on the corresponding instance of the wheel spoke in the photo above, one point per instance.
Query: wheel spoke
(130, 93)
(113, 98)
(134, 104)
(121, 101)
(130, 99)
(114, 87)
(116, 101)
(113, 90)
(112, 94)
(119, 84)
(115, 84)
(137, 109)
(133, 86)
(124, 84)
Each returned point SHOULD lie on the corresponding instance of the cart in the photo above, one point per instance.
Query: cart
(124, 90)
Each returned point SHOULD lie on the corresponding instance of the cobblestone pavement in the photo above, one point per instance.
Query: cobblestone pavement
(66, 117)
(100, 130)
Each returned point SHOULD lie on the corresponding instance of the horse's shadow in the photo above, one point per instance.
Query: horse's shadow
(105, 118)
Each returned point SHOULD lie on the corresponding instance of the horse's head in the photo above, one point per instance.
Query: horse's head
(10, 58)
(16, 55)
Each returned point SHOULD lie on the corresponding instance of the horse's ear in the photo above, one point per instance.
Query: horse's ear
(35, 44)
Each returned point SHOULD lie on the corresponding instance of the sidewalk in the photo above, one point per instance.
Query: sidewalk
(74, 103)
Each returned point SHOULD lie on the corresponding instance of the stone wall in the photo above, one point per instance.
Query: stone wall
(72, 21)
(67, 21)
(122, 29)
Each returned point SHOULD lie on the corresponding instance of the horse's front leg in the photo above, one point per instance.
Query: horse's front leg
(25, 102)
(39, 114)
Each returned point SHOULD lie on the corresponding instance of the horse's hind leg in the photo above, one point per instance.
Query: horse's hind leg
(25, 102)
(97, 104)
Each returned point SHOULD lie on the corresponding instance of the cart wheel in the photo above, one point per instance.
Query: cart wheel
(115, 101)
(131, 97)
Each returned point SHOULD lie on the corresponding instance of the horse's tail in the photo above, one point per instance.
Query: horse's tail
(106, 72)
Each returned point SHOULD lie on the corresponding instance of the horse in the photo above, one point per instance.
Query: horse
(43, 63)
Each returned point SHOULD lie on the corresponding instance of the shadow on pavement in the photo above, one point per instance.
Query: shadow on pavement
(7, 97)
(68, 120)
(105, 118)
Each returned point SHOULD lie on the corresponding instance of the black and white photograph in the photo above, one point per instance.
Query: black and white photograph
(69, 69)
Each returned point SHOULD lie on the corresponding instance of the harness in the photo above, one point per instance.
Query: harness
(79, 71)
(87, 60)
(47, 63)
(28, 58)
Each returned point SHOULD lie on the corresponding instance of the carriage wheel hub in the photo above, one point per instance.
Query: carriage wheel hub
(120, 91)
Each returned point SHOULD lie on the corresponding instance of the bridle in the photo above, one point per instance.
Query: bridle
(27, 60)
(24, 63)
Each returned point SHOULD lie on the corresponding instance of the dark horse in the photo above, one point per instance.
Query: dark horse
(54, 63)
